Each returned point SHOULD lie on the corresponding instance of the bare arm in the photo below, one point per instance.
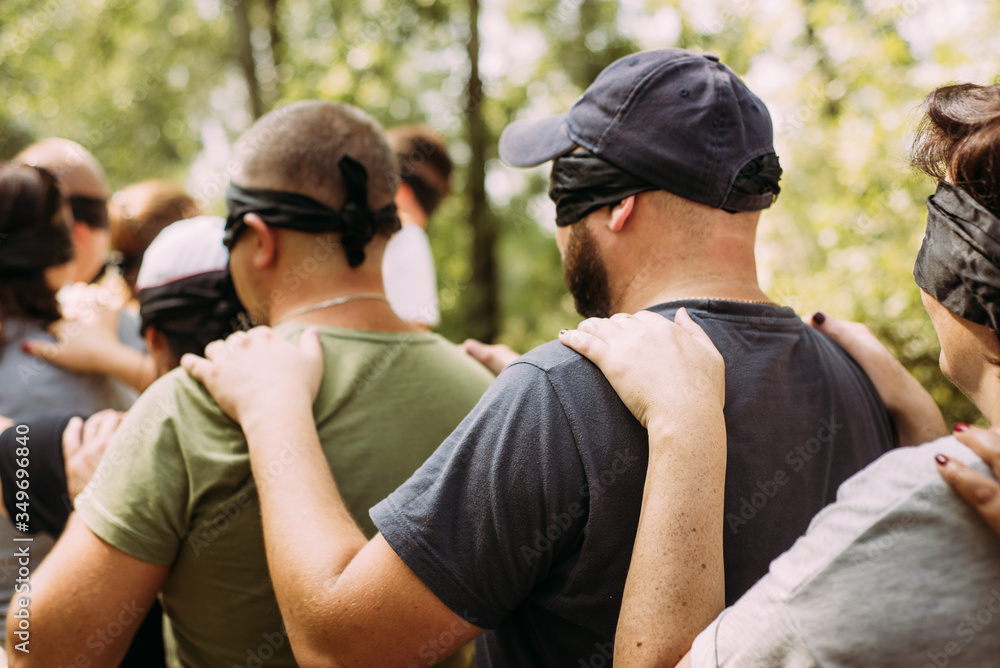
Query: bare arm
(87, 600)
(93, 347)
(913, 411)
(345, 600)
(672, 378)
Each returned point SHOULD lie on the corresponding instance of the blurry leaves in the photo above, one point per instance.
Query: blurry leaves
(139, 82)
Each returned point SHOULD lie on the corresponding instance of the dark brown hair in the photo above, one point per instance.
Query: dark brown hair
(29, 198)
(140, 212)
(424, 164)
(959, 138)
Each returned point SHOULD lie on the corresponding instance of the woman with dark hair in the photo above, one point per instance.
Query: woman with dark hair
(112, 342)
(900, 570)
(36, 260)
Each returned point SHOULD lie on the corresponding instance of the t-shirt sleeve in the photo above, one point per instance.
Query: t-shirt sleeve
(754, 631)
(138, 498)
(486, 518)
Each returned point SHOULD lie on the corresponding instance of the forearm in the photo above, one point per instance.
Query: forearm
(310, 536)
(676, 581)
(83, 604)
(129, 366)
(918, 420)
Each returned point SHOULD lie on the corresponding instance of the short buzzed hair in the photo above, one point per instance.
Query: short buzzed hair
(297, 148)
(424, 164)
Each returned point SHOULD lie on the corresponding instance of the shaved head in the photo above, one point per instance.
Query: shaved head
(77, 170)
(81, 181)
(297, 149)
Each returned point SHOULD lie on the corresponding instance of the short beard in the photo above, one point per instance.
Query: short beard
(586, 275)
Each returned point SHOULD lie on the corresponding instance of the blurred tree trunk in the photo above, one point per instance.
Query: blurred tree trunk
(831, 107)
(277, 45)
(587, 65)
(245, 47)
(484, 306)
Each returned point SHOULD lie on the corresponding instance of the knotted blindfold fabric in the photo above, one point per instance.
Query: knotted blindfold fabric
(94, 212)
(203, 305)
(356, 221)
(958, 262)
(34, 249)
(582, 183)
(755, 186)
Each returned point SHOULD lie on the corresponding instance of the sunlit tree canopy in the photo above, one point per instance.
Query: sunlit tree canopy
(161, 88)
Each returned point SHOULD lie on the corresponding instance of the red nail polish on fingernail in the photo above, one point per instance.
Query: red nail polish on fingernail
(819, 317)
(25, 348)
(961, 426)
(941, 459)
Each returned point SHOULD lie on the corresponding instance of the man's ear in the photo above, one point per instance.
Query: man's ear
(620, 213)
(264, 243)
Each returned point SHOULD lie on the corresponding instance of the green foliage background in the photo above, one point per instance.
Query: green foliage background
(154, 89)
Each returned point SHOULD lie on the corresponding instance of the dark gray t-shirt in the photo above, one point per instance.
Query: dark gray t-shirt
(523, 520)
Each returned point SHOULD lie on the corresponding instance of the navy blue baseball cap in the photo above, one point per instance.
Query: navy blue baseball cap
(680, 120)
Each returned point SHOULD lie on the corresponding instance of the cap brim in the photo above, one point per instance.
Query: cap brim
(529, 143)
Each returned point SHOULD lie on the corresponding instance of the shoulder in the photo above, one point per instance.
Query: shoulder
(176, 404)
(898, 507)
(554, 358)
(451, 362)
(176, 385)
(573, 377)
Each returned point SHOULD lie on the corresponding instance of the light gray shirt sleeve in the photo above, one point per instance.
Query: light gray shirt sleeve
(899, 571)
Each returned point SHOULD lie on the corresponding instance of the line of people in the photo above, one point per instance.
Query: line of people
(729, 485)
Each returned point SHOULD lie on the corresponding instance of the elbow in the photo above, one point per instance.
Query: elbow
(315, 651)
(331, 650)
(315, 657)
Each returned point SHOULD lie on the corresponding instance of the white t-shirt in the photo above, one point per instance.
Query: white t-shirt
(900, 571)
(410, 278)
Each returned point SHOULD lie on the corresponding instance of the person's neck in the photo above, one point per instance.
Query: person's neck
(730, 277)
(987, 395)
(370, 314)
(412, 214)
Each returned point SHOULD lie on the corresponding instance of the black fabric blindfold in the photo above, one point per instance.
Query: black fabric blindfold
(93, 212)
(202, 305)
(356, 222)
(958, 261)
(32, 250)
(582, 183)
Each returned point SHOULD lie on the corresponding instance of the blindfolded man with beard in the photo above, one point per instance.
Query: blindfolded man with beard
(518, 530)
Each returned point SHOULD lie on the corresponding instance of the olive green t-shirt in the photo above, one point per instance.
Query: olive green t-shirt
(175, 485)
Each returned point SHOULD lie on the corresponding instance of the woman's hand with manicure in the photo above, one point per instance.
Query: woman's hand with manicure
(983, 492)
